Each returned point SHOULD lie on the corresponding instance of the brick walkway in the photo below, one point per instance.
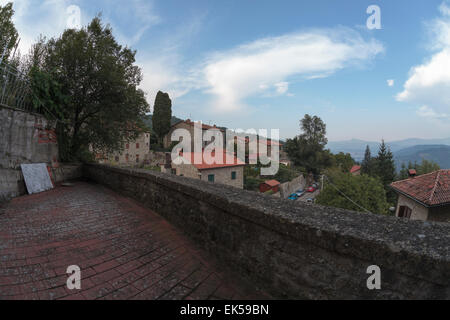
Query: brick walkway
(124, 251)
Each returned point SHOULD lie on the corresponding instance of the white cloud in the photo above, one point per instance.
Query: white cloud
(427, 112)
(282, 87)
(33, 18)
(250, 69)
(428, 84)
(390, 82)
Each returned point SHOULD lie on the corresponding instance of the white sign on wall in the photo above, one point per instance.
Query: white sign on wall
(36, 177)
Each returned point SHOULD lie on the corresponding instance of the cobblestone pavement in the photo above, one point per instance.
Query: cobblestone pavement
(124, 250)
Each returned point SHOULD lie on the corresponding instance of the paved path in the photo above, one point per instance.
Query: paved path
(124, 251)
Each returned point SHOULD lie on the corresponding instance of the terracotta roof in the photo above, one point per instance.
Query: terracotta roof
(272, 183)
(355, 169)
(190, 157)
(412, 172)
(430, 189)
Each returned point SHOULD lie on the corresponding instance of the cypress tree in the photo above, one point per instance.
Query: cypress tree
(162, 114)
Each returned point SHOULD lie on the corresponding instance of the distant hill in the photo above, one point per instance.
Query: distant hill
(437, 153)
(357, 147)
(148, 121)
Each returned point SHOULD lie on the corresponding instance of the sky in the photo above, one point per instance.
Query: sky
(264, 64)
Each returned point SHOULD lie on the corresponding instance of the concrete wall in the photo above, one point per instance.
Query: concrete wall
(296, 250)
(419, 212)
(27, 138)
(24, 138)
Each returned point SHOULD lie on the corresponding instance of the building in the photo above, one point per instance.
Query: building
(135, 153)
(425, 197)
(189, 126)
(269, 185)
(355, 170)
(231, 174)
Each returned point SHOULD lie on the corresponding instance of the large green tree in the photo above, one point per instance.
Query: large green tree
(102, 106)
(368, 163)
(162, 115)
(8, 33)
(385, 165)
(359, 193)
(343, 161)
(308, 149)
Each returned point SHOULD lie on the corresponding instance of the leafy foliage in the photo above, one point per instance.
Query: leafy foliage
(385, 166)
(425, 167)
(366, 191)
(308, 149)
(94, 84)
(343, 161)
(8, 32)
(368, 163)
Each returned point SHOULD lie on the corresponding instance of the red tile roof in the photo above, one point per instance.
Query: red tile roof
(430, 189)
(190, 157)
(355, 169)
(272, 183)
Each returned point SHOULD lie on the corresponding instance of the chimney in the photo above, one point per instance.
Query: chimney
(412, 173)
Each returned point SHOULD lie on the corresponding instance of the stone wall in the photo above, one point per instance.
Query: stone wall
(290, 187)
(296, 250)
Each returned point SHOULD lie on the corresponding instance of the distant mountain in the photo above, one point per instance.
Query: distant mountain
(437, 153)
(148, 121)
(357, 147)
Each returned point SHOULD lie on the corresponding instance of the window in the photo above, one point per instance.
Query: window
(233, 175)
(117, 158)
(128, 146)
(137, 145)
(211, 178)
(127, 157)
(404, 212)
(137, 158)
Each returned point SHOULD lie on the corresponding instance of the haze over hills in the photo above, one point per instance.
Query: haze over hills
(437, 153)
(357, 147)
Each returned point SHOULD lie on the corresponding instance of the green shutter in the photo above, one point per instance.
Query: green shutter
(233, 175)
(211, 178)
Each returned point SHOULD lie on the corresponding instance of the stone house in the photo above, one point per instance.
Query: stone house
(425, 197)
(134, 153)
(189, 126)
(231, 174)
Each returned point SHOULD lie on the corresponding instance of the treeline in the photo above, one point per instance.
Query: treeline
(368, 192)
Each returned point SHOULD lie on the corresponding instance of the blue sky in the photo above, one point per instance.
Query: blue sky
(264, 64)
